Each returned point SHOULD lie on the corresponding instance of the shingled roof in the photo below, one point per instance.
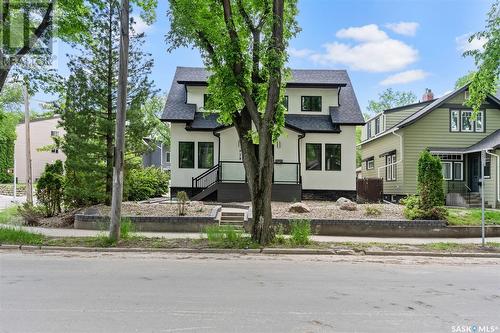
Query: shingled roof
(348, 112)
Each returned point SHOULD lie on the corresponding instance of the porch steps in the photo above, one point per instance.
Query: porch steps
(232, 217)
(475, 201)
(205, 193)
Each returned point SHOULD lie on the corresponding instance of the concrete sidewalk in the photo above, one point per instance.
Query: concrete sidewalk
(337, 239)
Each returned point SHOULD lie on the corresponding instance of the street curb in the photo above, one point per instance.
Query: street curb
(265, 251)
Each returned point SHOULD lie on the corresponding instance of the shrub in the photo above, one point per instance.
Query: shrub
(300, 232)
(182, 199)
(372, 211)
(413, 210)
(31, 214)
(279, 235)
(50, 189)
(430, 181)
(145, 183)
(226, 237)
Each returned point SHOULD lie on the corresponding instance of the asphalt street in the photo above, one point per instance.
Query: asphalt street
(92, 292)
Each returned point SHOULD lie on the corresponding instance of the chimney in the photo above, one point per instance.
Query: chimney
(428, 95)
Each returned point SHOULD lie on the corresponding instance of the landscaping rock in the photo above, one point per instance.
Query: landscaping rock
(342, 201)
(350, 206)
(299, 207)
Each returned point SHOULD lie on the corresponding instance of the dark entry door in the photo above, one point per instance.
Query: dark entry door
(474, 171)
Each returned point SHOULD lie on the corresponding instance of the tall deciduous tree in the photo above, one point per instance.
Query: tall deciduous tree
(485, 80)
(389, 99)
(243, 45)
(463, 80)
(89, 106)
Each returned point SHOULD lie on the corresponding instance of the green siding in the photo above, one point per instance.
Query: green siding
(377, 147)
(433, 131)
(392, 118)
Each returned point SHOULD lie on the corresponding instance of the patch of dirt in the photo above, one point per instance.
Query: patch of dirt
(165, 208)
(329, 210)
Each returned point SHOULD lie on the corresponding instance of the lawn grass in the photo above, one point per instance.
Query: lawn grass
(20, 237)
(9, 215)
(472, 216)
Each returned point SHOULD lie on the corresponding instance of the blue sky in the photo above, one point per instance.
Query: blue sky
(404, 45)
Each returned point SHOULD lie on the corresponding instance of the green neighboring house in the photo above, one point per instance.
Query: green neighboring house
(393, 140)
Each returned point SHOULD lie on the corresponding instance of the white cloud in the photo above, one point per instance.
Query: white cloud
(404, 77)
(403, 28)
(300, 53)
(140, 26)
(366, 33)
(464, 45)
(384, 56)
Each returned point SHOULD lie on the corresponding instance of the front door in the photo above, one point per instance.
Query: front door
(474, 171)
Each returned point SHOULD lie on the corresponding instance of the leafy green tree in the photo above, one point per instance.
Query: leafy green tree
(485, 80)
(88, 108)
(389, 99)
(10, 98)
(463, 80)
(243, 45)
(68, 20)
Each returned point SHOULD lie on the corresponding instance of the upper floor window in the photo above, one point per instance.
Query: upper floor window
(285, 102)
(311, 103)
(461, 121)
(333, 160)
(368, 130)
(377, 125)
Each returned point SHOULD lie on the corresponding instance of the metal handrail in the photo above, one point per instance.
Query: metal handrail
(201, 179)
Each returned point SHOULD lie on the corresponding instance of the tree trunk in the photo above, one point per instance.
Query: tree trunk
(121, 115)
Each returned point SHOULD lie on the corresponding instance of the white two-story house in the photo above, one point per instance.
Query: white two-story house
(314, 158)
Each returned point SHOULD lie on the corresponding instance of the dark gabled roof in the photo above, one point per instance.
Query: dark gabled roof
(490, 142)
(176, 108)
(437, 103)
(407, 106)
(311, 123)
(349, 112)
(204, 122)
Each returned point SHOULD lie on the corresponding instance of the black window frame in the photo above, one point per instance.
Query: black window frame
(285, 102)
(487, 167)
(377, 126)
(200, 159)
(320, 164)
(473, 122)
(302, 102)
(181, 166)
(394, 167)
(371, 159)
(340, 156)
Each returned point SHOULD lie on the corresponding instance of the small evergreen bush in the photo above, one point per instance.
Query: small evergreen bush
(50, 189)
(145, 183)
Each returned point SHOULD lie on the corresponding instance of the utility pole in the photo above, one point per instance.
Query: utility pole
(29, 180)
(483, 162)
(121, 115)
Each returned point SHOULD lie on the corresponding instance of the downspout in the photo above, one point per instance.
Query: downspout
(498, 173)
(217, 135)
(400, 149)
(301, 136)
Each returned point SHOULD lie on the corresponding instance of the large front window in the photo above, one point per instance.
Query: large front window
(391, 169)
(453, 166)
(313, 156)
(205, 155)
(186, 155)
(311, 103)
(333, 160)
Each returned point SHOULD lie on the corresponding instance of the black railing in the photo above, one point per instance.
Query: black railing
(207, 179)
(234, 172)
(461, 188)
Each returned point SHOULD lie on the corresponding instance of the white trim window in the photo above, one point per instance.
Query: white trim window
(447, 170)
(370, 164)
(458, 170)
(455, 121)
(479, 123)
(467, 122)
(391, 169)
